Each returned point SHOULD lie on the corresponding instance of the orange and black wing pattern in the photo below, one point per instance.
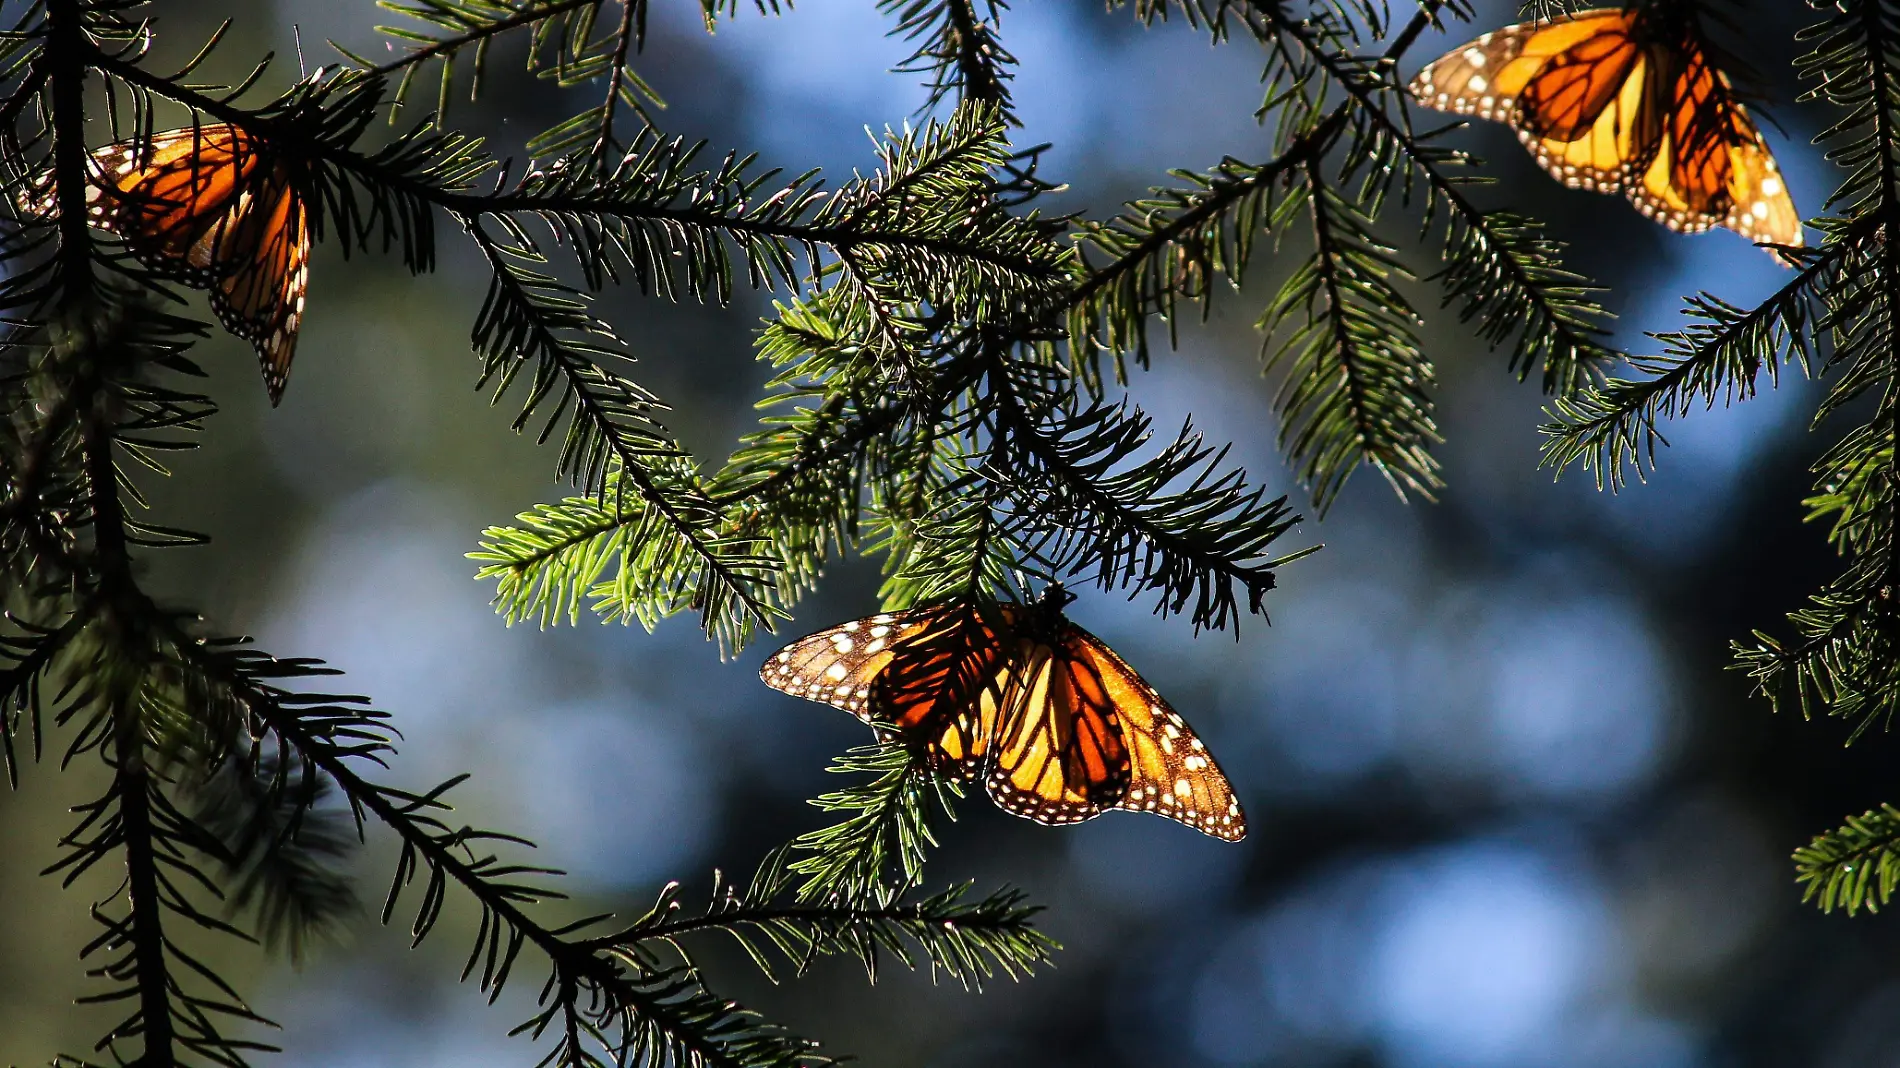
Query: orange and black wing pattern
(204, 205)
(1615, 100)
(935, 677)
(837, 666)
(1171, 773)
(1058, 728)
(1059, 754)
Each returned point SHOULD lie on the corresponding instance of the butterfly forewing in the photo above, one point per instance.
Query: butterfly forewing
(1570, 91)
(837, 666)
(1485, 77)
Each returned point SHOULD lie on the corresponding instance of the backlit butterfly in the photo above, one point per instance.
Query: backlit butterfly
(1058, 727)
(207, 205)
(1624, 101)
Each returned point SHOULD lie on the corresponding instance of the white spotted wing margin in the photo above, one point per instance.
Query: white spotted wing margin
(837, 666)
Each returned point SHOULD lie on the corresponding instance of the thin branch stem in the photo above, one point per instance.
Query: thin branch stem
(977, 78)
(855, 914)
(632, 467)
(1325, 249)
(624, 38)
(450, 45)
(67, 54)
(119, 597)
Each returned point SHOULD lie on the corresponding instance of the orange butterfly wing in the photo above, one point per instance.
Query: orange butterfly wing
(933, 677)
(263, 301)
(202, 205)
(1171, 772)
(1059, 727)
(1060, 757)
(837, 666)
(1570, 91)
(1485, 77)
(1572, 88)
(1714, 169)
(1602, 108)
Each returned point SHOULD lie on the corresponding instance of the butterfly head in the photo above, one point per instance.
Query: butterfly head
(1046, 610)
(1055, 598)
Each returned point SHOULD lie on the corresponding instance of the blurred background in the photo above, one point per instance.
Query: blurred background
(1508, 805)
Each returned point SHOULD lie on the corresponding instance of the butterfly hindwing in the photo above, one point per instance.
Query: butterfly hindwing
(264, 305)
(1608, 152)
(1059, 753)
(1171, 773)
(1714, 168)
(1760, 208)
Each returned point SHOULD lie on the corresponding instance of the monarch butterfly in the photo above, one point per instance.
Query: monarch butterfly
(1059, 728)
(1624, 101)
(207, 205)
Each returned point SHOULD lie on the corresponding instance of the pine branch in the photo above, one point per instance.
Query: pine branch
(652, 1015)
(146, 965)
(26, 536)
(531, 317)
(479, 21)
(30, 658)
(1078, 498)
(969, 941)
(1883, 40)
(147, 936)
(1718, 357)
(653, 210)
(566, 25)
(1353, 381)
(1854, 867)
(1172, 246)
(620, 82)
(886, 824)
(119, 687)
(957, 549)
(281, 847)
(958, 48)
(1844, 658)
(1500, 271)
(67, 54)
(631, 558)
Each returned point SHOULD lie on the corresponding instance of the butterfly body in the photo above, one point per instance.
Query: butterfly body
(211, 207)
(1624, 101)
(1057, 727)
